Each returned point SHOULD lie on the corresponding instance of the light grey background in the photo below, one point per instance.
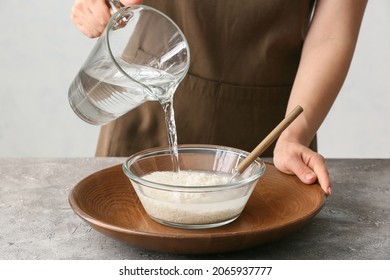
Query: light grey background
(41, 51)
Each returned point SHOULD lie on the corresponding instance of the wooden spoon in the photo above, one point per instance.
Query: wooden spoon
(271, 137)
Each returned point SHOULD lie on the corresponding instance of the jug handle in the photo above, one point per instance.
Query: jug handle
(115, 5)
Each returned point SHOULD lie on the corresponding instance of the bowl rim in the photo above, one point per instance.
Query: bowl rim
(189, 147)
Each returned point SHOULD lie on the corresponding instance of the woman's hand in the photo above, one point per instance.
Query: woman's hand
(307, 165)
(92, 16)
(326, 56)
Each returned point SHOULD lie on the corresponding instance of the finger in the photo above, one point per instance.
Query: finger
(100, 13)
(86, 27)
(310, 169)
(91, 18)
(319, 167)
(131, 2)
(303, 172)
(89, 31)
(81, 17)
(316, 165)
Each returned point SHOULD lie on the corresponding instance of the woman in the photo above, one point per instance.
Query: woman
(251, 62)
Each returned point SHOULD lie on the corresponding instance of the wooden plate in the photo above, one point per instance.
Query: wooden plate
(279, 205)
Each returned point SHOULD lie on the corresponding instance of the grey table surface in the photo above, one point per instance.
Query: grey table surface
(38, 223)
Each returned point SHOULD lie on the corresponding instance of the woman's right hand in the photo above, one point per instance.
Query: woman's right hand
(92, 16)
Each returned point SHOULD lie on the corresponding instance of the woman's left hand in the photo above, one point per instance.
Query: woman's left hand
(307, 165)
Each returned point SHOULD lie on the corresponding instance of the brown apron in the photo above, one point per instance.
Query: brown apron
(244, 57)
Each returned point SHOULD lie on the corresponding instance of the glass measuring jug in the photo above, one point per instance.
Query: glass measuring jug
(141, 56)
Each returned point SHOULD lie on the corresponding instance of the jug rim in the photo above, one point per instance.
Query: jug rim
(121, 13)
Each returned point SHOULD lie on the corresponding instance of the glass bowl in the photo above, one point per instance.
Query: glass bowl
(199, 195)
